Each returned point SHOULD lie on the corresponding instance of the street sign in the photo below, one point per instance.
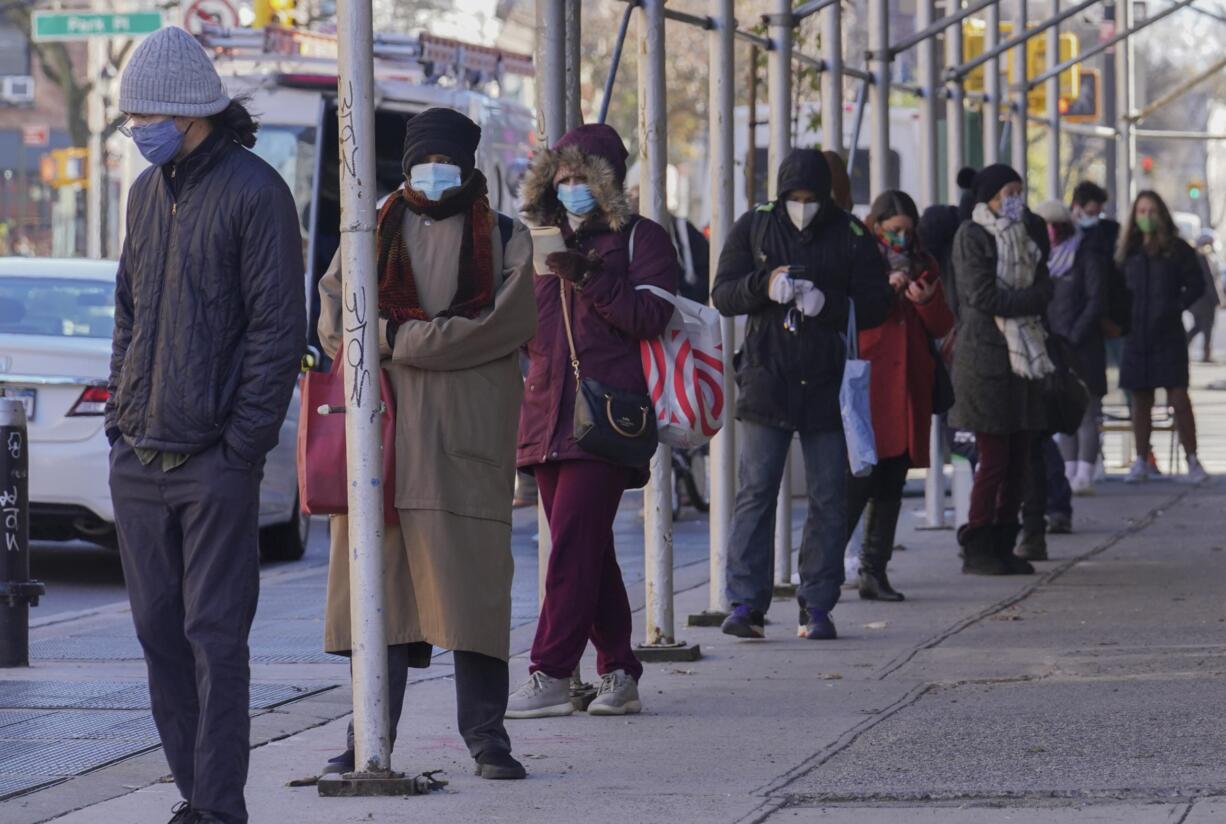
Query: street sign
(35, 135)
(211, 12)
(66, 25)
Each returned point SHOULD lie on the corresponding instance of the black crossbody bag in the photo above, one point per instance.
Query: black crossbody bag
(615, 426)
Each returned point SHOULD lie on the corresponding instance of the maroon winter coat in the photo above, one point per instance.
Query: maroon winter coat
(609, 316)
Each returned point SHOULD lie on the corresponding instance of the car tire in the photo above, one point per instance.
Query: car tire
(287, 541)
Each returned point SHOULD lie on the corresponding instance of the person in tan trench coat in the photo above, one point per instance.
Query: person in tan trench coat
(456, 304)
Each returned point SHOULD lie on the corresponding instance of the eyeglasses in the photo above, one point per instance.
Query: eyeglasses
(132, 122)
(125, 127)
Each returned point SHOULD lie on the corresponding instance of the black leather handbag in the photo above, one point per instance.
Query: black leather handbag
(613, 425)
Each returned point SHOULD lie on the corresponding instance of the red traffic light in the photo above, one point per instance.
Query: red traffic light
(1147, 164)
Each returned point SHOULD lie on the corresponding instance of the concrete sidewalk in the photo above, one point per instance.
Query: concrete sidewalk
(1088, 693)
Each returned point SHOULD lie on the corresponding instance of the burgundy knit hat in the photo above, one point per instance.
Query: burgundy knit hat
(600, 140)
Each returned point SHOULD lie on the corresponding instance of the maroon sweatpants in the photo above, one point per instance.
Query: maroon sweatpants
(585, 597)
(1000, 479)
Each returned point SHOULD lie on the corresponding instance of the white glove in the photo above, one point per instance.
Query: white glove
(809, 299)
(782, 288)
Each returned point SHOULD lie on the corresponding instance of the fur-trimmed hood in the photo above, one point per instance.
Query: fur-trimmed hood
(541, 206)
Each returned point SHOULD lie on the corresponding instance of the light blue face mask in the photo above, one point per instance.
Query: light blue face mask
(1088, 221)
(433, 179)
(576, 198)
(158, 142)
(1013, 207)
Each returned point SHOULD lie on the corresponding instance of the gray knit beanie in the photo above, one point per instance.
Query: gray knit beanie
(169, 73)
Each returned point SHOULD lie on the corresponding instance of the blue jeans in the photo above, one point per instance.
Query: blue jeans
(751, 546)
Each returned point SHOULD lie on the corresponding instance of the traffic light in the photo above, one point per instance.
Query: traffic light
(1195, 188)
(1147, 164)
(1086, 107)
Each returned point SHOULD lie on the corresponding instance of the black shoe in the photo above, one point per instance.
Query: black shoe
(1033, 546)
(183, 814)
(205, 817)
(979, 555)
(343, 763)
(875, 586)
(1005, 540)
(1059, 524)
(500, 766)
(744, 622)
(816, 625)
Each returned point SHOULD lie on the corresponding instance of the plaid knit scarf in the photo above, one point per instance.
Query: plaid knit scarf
(398, 299)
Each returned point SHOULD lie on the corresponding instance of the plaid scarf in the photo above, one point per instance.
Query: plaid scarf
(398, 299)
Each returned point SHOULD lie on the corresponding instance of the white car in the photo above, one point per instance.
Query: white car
(56, 319)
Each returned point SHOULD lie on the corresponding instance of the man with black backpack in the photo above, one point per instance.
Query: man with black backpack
(798, 267)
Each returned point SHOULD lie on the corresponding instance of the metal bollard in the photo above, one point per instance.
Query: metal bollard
(17, 592)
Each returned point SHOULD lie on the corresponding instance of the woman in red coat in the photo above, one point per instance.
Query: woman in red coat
(903, 376)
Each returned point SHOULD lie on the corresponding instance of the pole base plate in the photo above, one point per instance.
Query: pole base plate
(706, 618)
(664, 653)
(354, 785)
(785, 591)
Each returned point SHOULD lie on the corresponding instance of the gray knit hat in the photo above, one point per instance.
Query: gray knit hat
(169, 73)
(1053, 211)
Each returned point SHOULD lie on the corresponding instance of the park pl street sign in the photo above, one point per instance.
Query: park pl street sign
(70, 25)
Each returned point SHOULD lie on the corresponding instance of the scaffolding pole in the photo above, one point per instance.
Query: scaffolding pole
(955, 107)
(779, 91)
(1125, 143)
(574, 110)
(721, 65)
(879, 56)
(1020, 105)
(661, 643)
(991, 89)
(551, 79)
(832, 78)
(930, 185)
(1054, 190)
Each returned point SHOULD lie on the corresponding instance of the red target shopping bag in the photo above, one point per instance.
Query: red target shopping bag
(684, 368)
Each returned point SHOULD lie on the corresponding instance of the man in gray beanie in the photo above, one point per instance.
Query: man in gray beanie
(209, 332)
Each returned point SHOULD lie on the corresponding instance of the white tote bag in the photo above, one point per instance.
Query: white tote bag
(684, 369)
(854, 403)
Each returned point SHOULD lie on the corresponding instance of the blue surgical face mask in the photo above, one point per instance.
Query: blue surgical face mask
(1013, 207)
(576, 198)
(1088, 221)
(159, 142)
(433, 179)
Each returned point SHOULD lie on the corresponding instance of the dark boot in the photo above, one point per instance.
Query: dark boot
(1006, 540)
(881, 521)
(979, 555)
(1033, 546)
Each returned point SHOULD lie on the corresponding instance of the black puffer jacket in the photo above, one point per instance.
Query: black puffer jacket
(210, 316)
(785, 380)
(1156, 350)
(1076, 313)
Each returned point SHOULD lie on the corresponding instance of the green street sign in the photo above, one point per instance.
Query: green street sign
(67, 25)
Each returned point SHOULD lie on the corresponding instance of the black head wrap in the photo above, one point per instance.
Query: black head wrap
(442, 132)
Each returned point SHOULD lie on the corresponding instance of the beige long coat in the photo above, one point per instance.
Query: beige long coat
(458, 389)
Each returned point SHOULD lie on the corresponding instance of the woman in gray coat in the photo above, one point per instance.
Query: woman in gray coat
(1001, 356)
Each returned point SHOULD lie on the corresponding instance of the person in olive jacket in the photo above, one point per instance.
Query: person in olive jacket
(794, 266)
(210, 326)
(1165, 280)
(1000, 358)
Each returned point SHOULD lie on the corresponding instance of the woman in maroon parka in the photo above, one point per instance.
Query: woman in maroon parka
(578, 186)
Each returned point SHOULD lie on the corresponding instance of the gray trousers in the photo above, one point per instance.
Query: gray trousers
(189, 541)
(481, 691)
(751, 544)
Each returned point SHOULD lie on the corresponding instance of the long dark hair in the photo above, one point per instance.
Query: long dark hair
(1132, 239)
(895, 203)
(237, 121)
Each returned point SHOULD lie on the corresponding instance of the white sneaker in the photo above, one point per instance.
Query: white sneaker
(541, 697)
(618, 695)
(1138, 472)
(1196, 473)
(1082, 481)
